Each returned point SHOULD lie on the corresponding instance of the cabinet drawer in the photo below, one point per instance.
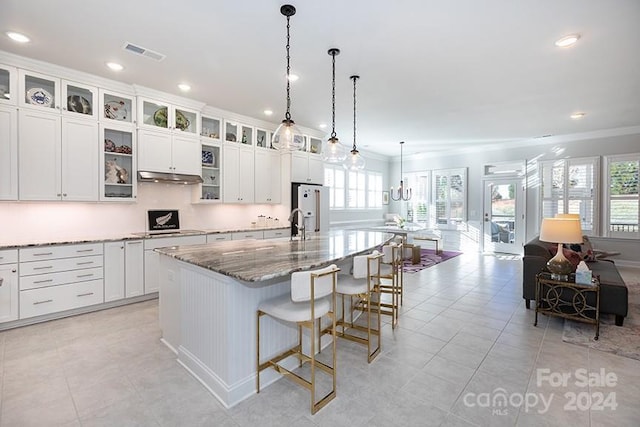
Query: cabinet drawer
(274, 234)
(9, 256)
(57, 265)
(218, 237)
(163, 242)
(37, 302)
(61, 278)
(54, 252)
(248, 235)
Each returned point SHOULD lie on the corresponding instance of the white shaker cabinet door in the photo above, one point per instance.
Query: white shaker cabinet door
(8, 292)
(154, 151)
(186, 155)
(39, 155)
(134, 268)
(80, 160)
(113, 271)
(8, 153)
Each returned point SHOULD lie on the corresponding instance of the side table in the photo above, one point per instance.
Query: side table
(568, 300)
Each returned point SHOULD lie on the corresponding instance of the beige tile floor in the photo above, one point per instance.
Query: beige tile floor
(464, 335)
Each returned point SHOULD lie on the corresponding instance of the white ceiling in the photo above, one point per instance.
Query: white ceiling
(437, 74)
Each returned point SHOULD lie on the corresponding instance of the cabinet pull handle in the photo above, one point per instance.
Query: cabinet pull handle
(42, 302)
(43, 254)
(85, 294)
(43, 268)
(43, 281)
(79, 276)
(1, 280)
(84, 250)
(84, 263)
(134, 243)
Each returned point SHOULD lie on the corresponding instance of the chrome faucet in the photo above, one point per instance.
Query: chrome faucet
(302, 228)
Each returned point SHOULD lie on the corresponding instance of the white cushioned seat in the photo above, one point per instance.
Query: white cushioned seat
(283, 308)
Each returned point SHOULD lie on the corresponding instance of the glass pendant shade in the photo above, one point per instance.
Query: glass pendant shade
(333, 151)
(354, 160)
(287, 137)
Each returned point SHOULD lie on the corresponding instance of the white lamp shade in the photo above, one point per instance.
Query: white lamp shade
(568, 216)
(561, 230)
(287, 137)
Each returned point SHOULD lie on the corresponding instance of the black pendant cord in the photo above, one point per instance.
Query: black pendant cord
(354, 151)
(333, 53)
(287, 115)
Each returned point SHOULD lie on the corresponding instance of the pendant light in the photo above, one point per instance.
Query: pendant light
(402, 193)
(287, 137)
(333, 151)
(354, 161)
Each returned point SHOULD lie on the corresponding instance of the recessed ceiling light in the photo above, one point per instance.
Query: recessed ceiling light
(578, 115)
(293, 77)
(267, 112)
(115, 66)
(17, 37)
(567, 41)
(184, 87)
(322, 125)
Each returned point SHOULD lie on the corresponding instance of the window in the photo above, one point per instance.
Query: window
(571, 186)
(622, 195)
(450, 195)
(418, 205)
(374, 190)
(357, 191)
(334, 178)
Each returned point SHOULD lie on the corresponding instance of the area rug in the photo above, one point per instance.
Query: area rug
(428, 258)
(621, 340)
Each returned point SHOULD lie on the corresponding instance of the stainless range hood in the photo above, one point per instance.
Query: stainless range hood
(168, 178)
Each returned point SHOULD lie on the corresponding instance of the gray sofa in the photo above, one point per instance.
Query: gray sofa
(613, 290)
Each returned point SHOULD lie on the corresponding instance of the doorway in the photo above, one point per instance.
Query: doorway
(504, 222)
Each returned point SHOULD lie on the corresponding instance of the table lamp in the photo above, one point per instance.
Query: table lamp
(560, 231)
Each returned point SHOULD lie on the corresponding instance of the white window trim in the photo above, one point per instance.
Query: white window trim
(606, 196)
(449, 172)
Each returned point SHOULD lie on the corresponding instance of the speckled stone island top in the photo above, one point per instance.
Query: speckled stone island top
(262, 260)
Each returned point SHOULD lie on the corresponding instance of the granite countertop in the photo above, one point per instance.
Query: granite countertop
(262, 260)
(114, 237)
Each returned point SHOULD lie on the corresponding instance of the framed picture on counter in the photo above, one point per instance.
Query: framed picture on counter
(385, 197)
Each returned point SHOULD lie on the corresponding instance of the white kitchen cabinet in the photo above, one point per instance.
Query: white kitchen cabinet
(211, 188)
(8, 285)
(167, 152)
(307, 168)
(116, 108)
(44, 92)
(8, 91)
(8, 151)
(166, 117)
(238, 174)
(237, 132)
(252, 234)
(118, 165)
(219, 237)
(267, 176)
(114, 272)
(134, 268)
(58, 157)
(152, 259)
(277, 234)
(59, 278)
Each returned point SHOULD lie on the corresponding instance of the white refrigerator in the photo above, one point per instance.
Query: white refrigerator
(313, 201)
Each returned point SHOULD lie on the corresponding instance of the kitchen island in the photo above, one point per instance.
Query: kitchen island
(209, 295)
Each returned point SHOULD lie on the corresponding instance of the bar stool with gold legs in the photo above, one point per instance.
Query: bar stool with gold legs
(391, 271)
(312, 297)
(361, 284)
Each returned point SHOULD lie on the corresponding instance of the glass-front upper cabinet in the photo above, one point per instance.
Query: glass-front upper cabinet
(118, 162)
(263, 138)
(235, 132)
(315, 145)
(79, 99)
(210, 128)
(8, 84)
(161, 115)
(39, 90)
(116, 107)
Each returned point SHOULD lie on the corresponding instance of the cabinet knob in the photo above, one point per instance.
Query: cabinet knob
(64, 194)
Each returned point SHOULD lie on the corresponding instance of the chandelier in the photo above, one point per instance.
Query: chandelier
(287, 137)
(334, 151)
(354, 161)
(402, 193)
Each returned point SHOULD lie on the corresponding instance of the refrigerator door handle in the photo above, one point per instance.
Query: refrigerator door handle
(317, 210)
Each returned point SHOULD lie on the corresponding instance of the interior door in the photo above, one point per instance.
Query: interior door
(504, 221)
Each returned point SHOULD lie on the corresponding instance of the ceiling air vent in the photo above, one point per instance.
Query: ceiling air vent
(139, 50)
